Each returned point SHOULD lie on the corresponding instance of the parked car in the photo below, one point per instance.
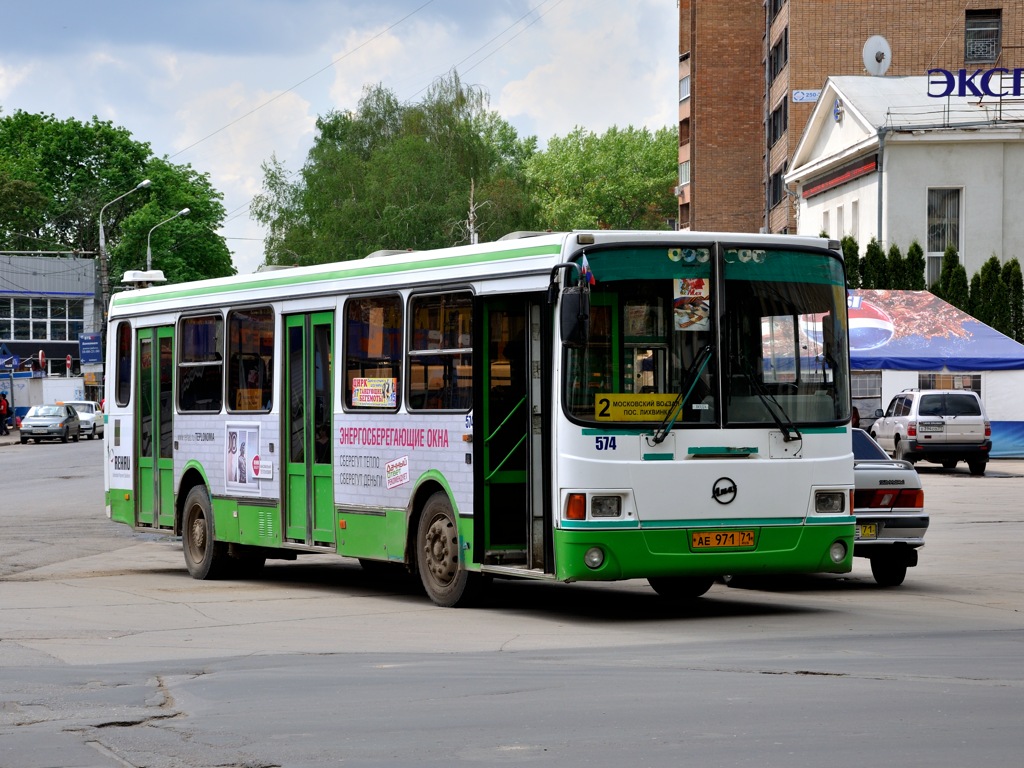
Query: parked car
(944, 426)
(91, 416)
(888, 501)
(51, 422)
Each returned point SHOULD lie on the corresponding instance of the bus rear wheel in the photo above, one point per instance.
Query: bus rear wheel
(681, 587)
(437, 556)
(205, 558)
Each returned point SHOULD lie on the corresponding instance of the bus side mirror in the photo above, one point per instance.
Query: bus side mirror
(574, 320)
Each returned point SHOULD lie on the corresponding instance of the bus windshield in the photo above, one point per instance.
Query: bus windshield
(711, 336)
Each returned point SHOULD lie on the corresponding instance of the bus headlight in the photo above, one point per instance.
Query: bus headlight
(605, 506)
(829, 502)
(594, 557)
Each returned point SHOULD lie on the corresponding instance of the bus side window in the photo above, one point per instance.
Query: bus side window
(200, 365)
(441, 352)
(123, 361)
(250, 345)
(373, 352)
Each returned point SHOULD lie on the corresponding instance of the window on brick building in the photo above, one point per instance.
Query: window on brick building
(684, 88)
(774, 6)
(982, 34)
(778, 56)
(777, 187)
(778, 121)
(684, 172)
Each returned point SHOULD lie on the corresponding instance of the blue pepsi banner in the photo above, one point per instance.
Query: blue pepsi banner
(918, 331)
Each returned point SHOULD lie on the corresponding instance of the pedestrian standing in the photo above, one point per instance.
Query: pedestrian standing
(5, 412)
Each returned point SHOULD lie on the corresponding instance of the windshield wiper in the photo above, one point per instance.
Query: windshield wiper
(693, 375)
(768, 399)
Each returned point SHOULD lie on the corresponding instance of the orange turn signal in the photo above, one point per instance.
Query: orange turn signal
(576, 509)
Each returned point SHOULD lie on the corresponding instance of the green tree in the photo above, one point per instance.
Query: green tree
(622, 179)
(896, 270)
(74, 169)
(1012, 279)
(875, 272)
(187, 248)
(915, 267)
(952, 284)
(992, 307)
(974, 298)
(20, 202)
(394, 176)
(852, 259)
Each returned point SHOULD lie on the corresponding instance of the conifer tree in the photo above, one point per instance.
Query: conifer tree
(851, 257)
(1014, 282)
(915, 267)
(874, 274)
(952, 285)
(992, 305)
(896, 269)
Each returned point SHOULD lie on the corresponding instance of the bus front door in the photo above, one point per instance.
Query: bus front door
(308, 420)
(509, 434)
(154, 445)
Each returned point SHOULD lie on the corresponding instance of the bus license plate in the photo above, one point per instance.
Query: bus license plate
(867, 531)
(717, 539)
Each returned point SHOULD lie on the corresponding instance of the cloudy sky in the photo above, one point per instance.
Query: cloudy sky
(223, 85)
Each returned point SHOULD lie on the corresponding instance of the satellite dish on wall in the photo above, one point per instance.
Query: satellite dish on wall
(877, 55)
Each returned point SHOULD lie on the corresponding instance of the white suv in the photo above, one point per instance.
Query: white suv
(90, 414)
(943, 426)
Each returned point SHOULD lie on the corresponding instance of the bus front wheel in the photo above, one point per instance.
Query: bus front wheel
(681, 587)
(437, 556)
(204, 557)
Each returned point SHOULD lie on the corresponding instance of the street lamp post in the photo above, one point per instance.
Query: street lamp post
(149, 251)
(104, 283)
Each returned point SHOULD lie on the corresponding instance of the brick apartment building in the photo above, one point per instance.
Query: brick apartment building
(748, 72)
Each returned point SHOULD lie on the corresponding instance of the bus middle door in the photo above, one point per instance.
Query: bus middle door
(154, 446)
(309, 416)
(511, 520)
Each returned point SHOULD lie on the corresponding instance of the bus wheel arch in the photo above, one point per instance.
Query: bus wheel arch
(436, 553)
(205, 557)
(189, 480)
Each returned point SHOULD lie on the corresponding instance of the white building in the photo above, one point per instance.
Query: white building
(881, 158)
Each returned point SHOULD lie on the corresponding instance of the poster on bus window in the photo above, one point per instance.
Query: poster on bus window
(242, 457)
(374, 392)
(691, 302)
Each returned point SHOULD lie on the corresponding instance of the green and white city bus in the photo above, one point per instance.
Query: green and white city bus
(582, 406)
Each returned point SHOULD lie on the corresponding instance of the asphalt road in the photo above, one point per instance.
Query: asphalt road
(110, 655)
